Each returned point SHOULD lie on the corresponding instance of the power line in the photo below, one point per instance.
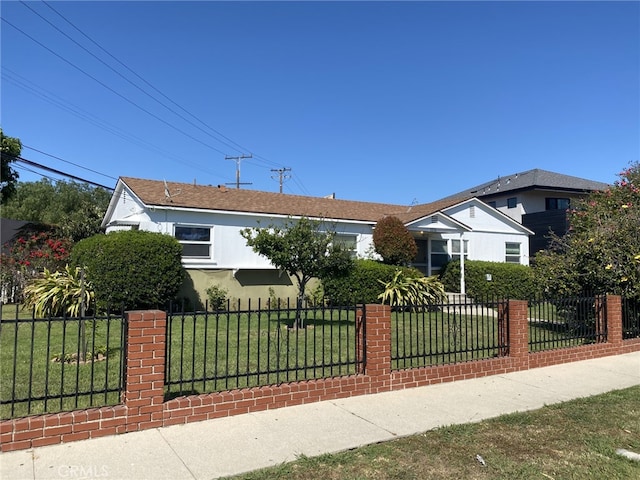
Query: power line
(58, 172)
(70, 163)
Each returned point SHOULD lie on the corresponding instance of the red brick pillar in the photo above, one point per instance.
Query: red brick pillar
(378, 346)
(614, 319)
(519, 331)
(143, 393)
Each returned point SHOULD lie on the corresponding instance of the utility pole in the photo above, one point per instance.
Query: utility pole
(238, 160)
(281, 175)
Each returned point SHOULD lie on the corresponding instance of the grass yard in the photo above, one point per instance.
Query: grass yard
(572, 440)
(42, 356)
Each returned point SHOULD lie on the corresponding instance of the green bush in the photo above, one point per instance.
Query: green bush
(362, 283)
(507, 279)
(133, 268)
(393, 241)
(217, 296)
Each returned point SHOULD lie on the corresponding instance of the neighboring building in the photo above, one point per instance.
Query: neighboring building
(207, 220)
(538, 199)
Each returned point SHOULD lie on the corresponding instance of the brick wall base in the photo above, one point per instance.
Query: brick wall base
(144, 406)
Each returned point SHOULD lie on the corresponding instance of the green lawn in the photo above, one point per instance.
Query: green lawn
(574, 440)
(42, 356)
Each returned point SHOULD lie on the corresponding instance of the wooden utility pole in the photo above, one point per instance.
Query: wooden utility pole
(238, 160)
(281, 175)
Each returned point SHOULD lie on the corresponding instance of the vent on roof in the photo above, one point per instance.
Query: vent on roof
(472, 211)
(434, 219)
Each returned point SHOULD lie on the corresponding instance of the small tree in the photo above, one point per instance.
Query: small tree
(303, 249)
(393, 241)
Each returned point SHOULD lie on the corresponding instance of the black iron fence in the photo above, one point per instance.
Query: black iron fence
(560, 322)
(630, 317)
(458, 330)
(57, 364)
(258, 344)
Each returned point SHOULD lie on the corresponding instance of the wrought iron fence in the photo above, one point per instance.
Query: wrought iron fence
(560, 322)
(257, 345)
(459, 330)
(57, 364)
(630, 318)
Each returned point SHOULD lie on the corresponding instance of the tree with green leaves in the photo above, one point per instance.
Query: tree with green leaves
(10, 149)
(393, 242)
(601, 250)
(75, 209)
(303, 248)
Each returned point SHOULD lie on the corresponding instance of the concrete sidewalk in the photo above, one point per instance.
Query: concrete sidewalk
(233, 445)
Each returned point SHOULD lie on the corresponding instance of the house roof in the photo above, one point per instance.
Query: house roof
(203, 197)
(529, 180)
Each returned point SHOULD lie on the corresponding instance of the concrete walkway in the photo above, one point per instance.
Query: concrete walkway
(233, 445)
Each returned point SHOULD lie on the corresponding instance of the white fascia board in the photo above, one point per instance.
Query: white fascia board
(255, 214)
(444, 216)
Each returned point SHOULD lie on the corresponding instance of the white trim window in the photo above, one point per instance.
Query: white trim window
(512, 250)
(195, 240)
(455, 249)
(348, 242)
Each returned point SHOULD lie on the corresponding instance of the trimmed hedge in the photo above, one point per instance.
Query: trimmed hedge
(133, 268)
(507, 279)
(361, 283)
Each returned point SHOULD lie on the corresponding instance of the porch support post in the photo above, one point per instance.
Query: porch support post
(462, 284)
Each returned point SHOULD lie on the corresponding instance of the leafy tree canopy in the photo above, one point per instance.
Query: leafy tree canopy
(10, 149)
(303, 248)
(601, 251)
(393, 241)
(76, 209)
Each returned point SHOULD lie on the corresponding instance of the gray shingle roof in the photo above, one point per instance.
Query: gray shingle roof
(531, 179)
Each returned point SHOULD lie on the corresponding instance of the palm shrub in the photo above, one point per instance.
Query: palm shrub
(59, 293)
(412, 292)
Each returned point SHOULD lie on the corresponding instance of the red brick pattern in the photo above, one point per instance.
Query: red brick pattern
(143, 404)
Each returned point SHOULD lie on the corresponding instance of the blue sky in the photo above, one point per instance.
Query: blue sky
(394, 102)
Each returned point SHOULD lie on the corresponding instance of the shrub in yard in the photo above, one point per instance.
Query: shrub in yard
(217, 297)
(60, 293)
(507, 279)
(133, 268)
(412, 292)
(362, 283)
(393, 241)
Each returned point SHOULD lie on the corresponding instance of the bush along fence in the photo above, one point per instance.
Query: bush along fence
(176, 368)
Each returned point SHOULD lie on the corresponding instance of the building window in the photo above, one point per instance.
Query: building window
(455, 249)
(492, 204)
(512, 202)
(512, 252)
(557, 203)
(348, 242)
(439, 255)
(196, 241)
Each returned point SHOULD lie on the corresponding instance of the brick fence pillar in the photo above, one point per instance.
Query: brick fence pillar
(143, 393)
(519, 330)
(378, 345)
(614, 319)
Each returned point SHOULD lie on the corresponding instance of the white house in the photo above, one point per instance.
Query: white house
(207, 221)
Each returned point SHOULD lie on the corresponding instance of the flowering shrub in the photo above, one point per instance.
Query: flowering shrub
(27, 256)
(601, 251)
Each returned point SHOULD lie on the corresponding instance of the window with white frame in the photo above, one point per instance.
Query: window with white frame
(348, 242)
(195, 240)
(512, 252)
(439, 255)
(455, 249)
